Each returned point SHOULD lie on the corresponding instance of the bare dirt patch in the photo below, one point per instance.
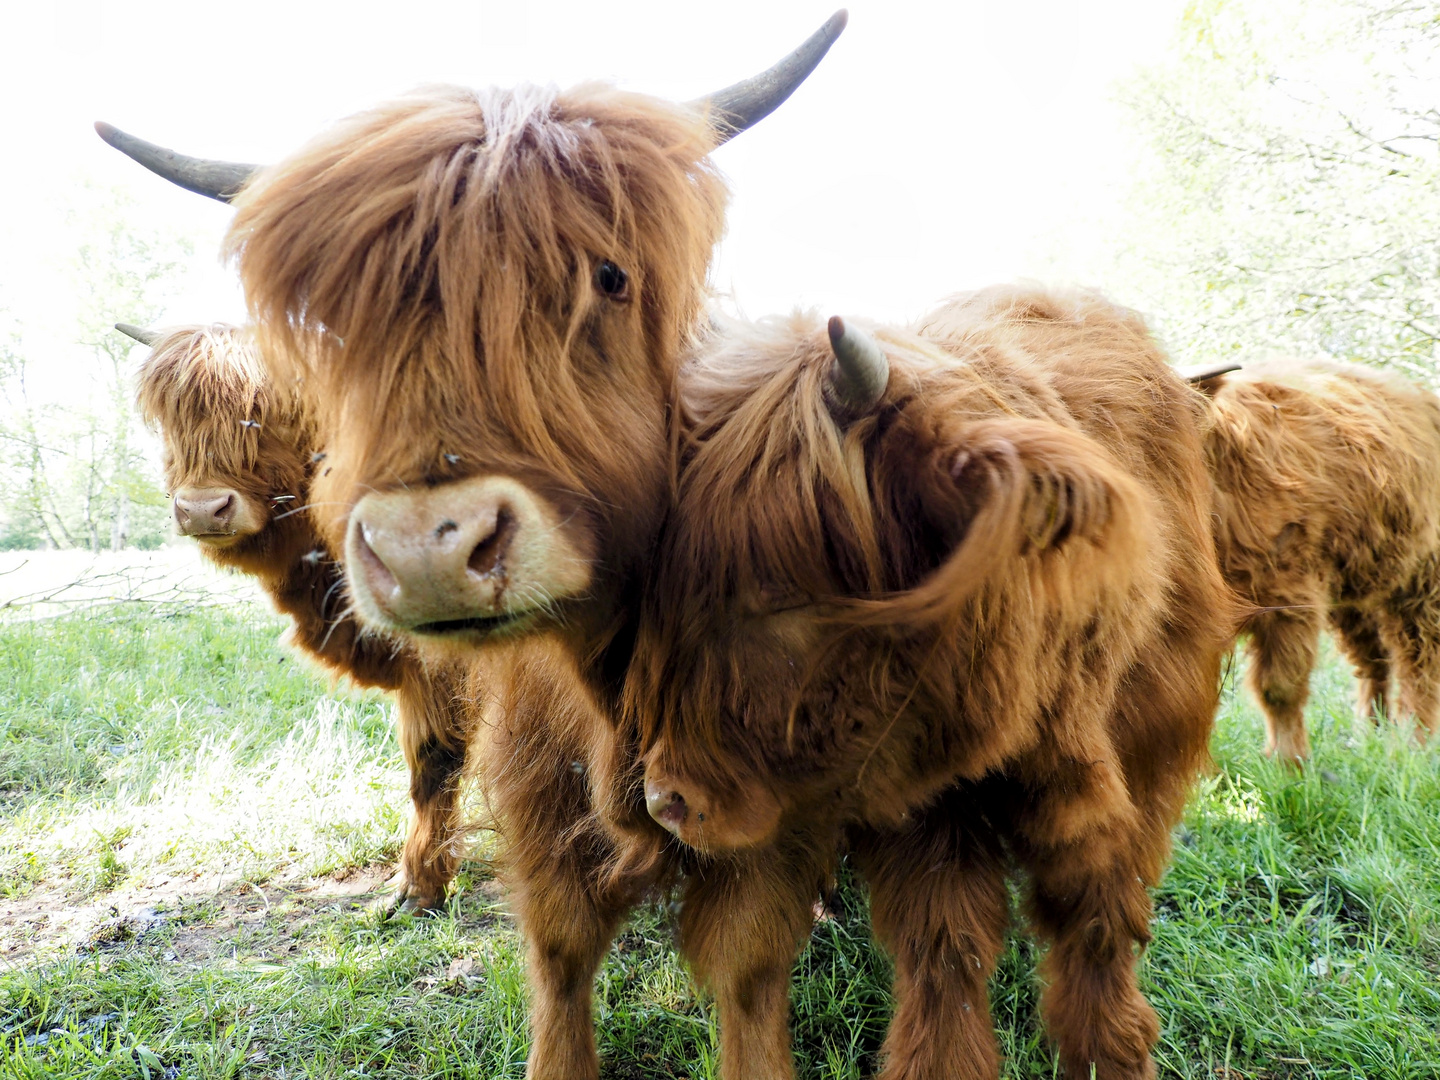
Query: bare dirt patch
(199, 916)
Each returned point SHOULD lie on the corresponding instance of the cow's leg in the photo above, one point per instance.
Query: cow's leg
(1083, 847)
(433, 721)
(938, 903)
(1282, 651)
(1416, 609)
(559, 870)
(568, 916)
(744, 920)
(1361, 638)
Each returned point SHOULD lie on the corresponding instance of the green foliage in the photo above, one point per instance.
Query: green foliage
(77, 468)
(1296, 935)
(1287, 193)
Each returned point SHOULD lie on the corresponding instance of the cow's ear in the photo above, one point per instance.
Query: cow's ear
(1019, 497)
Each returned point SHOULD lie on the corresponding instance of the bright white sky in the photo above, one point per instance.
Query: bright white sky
(940, 146)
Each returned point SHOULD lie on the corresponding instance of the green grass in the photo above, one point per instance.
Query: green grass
(189, 770)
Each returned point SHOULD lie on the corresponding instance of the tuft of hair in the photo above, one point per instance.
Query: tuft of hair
(440, 249)
(207, 392)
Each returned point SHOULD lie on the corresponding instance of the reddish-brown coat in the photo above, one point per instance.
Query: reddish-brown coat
(223, 424)
(1327, 481)
(984, 620)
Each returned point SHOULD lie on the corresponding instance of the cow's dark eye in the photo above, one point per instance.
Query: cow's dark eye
(612, 281)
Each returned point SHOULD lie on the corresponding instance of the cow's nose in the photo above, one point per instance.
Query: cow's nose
(409, 570)
(665, 804)
(471, 555)
(207, 512)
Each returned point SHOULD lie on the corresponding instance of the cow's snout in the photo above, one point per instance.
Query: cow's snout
(214, 514)
(665, 804)
(746, 814)
(473, 556)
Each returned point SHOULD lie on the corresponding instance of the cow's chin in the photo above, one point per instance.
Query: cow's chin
(747, 817)
(225, 541)
(450, 636)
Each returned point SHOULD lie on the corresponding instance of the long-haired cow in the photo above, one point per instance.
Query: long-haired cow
(239, 458)
(1327, 481)
(956, 592)
(487, 295)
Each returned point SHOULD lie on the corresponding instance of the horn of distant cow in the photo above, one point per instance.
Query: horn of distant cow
(218, 179)
(860, 372)
(1204, 372)
(139, 333)
(738, 107)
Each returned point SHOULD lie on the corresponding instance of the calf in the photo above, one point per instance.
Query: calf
(954, 592)
(1327, 482)
(238, 460)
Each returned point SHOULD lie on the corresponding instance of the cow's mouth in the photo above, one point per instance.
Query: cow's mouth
(485, 625)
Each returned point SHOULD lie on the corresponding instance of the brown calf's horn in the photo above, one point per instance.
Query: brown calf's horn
(745, 104)
(139, 333)
(218, 179)
(860, 372)
(1201, 372)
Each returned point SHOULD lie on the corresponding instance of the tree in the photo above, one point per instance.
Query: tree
(78, 469)
(1288, 198)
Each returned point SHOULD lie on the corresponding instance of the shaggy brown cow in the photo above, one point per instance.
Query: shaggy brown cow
(487, 296)
(956, 592)
(238, 458)
(1328, 504)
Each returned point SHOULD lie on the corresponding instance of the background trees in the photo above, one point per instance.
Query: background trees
(77, 469)
(1287, 193)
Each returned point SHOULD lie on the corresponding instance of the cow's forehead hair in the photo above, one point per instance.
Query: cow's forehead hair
(771, 486)
(206, 390)
(443, 248)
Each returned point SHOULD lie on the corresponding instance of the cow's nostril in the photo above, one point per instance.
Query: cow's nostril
(488, 556)
(225, 511)
(382, 582)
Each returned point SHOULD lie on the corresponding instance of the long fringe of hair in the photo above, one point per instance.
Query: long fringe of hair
(438, 251)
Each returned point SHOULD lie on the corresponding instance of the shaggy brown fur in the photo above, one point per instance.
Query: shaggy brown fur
(224, 426)
(1328, 504)
(983, 623)
(429, 269)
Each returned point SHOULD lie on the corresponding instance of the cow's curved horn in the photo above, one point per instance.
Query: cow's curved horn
(738, 107)
(139, 333)
(218, 179)
(860, 372)
(1205, 372)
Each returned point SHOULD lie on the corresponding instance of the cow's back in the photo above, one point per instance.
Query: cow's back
(1324, 471)
(1113, 382)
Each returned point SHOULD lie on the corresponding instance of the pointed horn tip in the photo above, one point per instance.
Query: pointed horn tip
(861, 370)
(741, 106)
(139, 333)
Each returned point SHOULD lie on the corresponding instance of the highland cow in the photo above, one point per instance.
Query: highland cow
(1327, 481)
(238, 460)
(487, 295)
(954, 592)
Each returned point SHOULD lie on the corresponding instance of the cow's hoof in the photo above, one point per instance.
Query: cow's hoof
(401, 896)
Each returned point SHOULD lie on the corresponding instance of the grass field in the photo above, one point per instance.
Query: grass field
(191, 824)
